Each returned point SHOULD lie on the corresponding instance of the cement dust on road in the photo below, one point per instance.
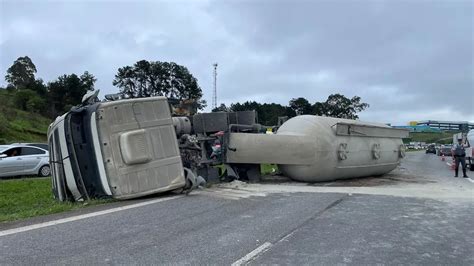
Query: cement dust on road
(420, 175)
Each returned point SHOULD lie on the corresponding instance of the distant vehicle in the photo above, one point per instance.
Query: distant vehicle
(470, 150)
(21, 159)
(431, 149)
(445, 150)
(470, 137)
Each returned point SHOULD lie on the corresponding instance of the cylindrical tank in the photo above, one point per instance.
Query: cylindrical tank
(182, 125)
(343, 148)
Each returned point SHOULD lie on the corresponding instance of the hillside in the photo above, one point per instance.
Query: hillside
(20, 126)
(431, 137)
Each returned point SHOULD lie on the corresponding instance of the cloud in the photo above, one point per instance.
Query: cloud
(408, 60)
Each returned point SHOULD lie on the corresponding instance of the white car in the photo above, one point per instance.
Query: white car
(20, 159)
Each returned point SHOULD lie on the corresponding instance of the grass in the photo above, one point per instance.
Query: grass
(30, 197)
(27, 197)
(267, 169)
(20, 126)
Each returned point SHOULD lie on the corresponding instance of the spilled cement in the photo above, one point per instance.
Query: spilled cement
(420, 175)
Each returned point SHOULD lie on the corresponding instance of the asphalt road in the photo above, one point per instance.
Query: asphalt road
(388, 220)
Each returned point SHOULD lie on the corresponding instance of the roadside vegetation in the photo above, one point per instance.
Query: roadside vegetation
(30, 197)
(267, 169)
(20, 126)
(431, 137)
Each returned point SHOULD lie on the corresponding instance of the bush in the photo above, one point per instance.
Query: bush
(36, 104)
(22, 97)
(3, 125)
(28, 100)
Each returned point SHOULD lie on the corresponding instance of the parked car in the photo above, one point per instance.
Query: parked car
(445, 150)
(43, 146)
(431, 149)
(21, 159)
(3, 147)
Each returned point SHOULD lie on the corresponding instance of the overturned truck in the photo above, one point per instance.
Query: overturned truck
(134, 147)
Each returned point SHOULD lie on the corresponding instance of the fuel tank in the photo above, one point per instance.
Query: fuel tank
(343, 148)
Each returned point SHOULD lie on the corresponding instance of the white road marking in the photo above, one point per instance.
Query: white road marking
(83, 216)
(262, 248)
(470, 180)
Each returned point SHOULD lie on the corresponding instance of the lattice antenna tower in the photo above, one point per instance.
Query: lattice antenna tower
(214, 95)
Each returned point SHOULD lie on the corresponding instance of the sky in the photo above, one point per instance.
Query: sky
(410, 60)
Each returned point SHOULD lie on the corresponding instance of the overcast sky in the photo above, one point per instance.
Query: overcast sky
(410, 60)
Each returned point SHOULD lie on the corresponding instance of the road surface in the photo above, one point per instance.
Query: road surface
(417, 214)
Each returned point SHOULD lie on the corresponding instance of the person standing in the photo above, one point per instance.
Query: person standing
(459, 156)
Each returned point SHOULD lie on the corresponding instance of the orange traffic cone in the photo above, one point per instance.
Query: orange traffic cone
(442, 158)
(453, 165)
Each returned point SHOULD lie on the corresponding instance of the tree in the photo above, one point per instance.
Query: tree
(301, 106)
(267, 113)
(155, 78)
(38, 87)
(221, 108)
(337, 105)
(22, 73)
(87, 80)
(246, 106)
(68, 90)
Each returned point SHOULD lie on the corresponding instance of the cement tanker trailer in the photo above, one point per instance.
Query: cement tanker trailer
(313, 148)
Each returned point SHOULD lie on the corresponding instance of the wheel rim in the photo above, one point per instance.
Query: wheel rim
(45, 171)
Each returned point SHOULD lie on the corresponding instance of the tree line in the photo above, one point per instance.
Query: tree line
(336, 105)
(50, 99)
(153, 78)
(143, 79)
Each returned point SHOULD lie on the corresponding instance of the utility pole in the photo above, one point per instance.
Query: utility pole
(214, 96)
